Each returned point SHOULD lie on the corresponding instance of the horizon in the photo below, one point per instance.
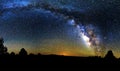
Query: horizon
(70, 28)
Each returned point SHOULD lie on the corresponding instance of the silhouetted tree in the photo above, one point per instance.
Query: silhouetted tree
(12, 53)
(23, 52)
(110, 55)
(3, 49)
(39, 54)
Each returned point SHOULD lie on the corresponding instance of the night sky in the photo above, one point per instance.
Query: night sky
(41, 30)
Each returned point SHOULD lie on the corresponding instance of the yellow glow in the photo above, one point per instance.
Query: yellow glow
(63, 47)
(64, 54)
(52, 46)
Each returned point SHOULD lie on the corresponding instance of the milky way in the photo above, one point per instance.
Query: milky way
(91, 23)
(87, 33)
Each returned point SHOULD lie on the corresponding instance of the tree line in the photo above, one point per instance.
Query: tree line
(4, 50)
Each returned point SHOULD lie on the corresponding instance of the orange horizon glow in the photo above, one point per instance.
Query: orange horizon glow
(64, 54)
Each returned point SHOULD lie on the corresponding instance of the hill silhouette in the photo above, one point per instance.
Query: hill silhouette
(31, 60)
(39, 60)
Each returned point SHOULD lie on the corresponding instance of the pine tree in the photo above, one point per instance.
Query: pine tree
(23, 52)
(3, 49)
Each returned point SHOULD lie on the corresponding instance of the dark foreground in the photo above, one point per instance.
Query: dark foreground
(56, 61)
